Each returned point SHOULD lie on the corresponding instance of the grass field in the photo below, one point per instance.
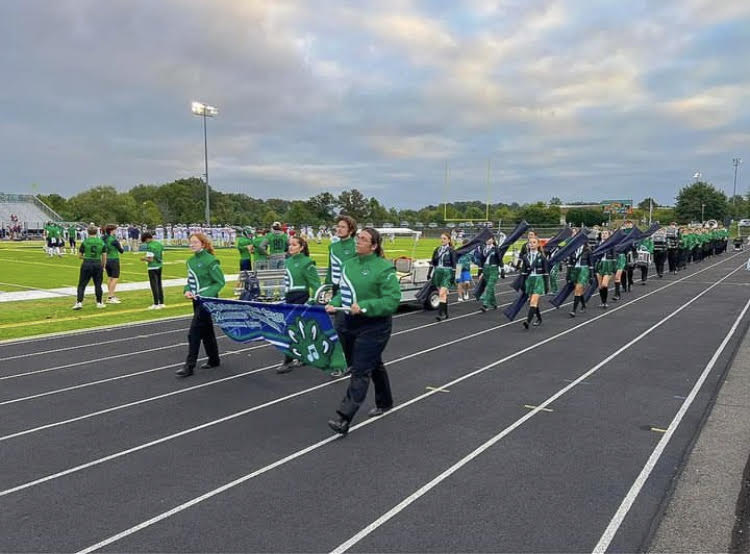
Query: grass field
(25, 266)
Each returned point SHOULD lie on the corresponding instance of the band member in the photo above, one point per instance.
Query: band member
(370, 290)
(154, 257)
(339, 252)
(604, 270)
(660, 250)
(580, 274)
(112, 267)
(621, 264)
(300, 280)
(464, 277)
(673, 246)
(205, 278)
(644, 253)
(535, 269)
(490, 264)
(444, 267)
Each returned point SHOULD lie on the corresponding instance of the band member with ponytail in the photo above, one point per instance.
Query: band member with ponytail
(535, 269)
(490, 263)
(300, 280)
(369, 289)
(205, 278)
(621, 264)
(604, 270)
(444, 262)
(580, 275)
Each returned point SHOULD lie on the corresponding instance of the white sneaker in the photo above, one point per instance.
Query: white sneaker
(153, 307)
(113, 300)
(161, 306)
(460, 299)
(78, 305)
(100, 305)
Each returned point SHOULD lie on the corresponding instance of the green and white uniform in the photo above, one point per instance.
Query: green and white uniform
(300, 275)
(339, 252)
(157, 261)
(371, 282)
(205, 277)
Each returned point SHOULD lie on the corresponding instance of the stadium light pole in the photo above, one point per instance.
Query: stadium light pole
(204, 110)
(735, 162)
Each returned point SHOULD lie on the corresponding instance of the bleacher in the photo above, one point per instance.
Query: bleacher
(32, 213)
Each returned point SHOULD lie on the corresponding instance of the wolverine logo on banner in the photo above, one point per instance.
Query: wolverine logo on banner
(301, 331)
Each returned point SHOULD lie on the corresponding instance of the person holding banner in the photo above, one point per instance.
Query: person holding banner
(339, 252)
(300, 278)
(444, 261)
(579, 275)
(369, 293)
(535, 268)
(491, 261)
(205, 278)
(604, 270)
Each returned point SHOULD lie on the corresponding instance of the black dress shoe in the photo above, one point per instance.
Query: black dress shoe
(209, 365)
(185, 371)
(340, 425)
(375, 412)
(525, 324)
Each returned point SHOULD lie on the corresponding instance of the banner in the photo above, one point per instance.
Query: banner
(302, 331)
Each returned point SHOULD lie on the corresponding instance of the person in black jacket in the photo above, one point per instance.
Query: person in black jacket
(535, 269)
(443, 262)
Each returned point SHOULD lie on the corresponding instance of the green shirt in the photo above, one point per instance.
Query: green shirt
(300, 274)
(338, 253)
(205, 277)
(371, 282)
(277, 242)
(242, 244)
(72, 233)
(158, 250)
(92, 248)
(258, 244)
(113, 247)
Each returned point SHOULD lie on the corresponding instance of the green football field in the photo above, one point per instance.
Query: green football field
(25, 266)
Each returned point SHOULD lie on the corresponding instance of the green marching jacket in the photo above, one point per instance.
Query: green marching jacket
(371, 282)
(205, 277)
(300, 274)
(338, 253)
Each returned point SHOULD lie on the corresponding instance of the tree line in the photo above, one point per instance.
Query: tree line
(183, 201)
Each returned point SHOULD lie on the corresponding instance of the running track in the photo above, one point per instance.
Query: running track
(502, 439)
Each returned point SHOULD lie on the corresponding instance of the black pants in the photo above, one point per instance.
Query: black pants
(339, 323)
(660, 256)
(644, 273)
(154, 279)
(627, 277)
(363, 340)
(90, 269)
(202, 329)
(673, 257)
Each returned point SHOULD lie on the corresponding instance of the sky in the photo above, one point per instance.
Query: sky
(521, 100)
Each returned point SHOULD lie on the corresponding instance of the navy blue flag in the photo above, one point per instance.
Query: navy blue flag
(302, 331)
(477, 240)
(555, 241)
(512, 311)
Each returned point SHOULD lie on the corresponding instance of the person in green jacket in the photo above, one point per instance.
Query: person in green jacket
(245, 247)
(94, 255)
(370, 293)
(112, 267)
(205, 278)
(300, 281)
(339, 251)
(154, 257)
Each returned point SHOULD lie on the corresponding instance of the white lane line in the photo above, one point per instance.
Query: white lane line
(68, 348)
(390, 514)
(315, 446)
(109, 379)
(134, 403)
(635, 489)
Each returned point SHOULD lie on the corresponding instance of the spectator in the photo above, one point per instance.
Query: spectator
(154, 258)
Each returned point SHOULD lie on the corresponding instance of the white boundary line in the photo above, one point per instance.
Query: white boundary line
(390, 514)
(635, 489)
(315, 446)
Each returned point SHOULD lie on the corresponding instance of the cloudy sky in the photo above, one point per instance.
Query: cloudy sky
(581, 99)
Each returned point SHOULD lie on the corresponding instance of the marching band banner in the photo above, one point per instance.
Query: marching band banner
(302, 331)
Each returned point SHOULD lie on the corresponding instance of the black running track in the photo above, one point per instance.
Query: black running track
(102, 448)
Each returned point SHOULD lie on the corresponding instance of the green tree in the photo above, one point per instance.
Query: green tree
(57, 203)
(539, 214)
(269, 217)
(354, 204)
(555, 201)
(585, 216)
(298, 214)
(644, 204)
(700, 197)
(150, 214)
(322, 206)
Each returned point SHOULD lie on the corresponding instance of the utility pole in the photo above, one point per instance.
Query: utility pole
(735, 162)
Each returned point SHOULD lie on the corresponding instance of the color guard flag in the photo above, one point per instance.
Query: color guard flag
(302, 331)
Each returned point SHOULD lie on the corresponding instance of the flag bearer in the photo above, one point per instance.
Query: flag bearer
(580, 275)
(444, 261)
(604, 270)
(369, 289)
(535, 269)
(205, 278)
(490, 263)
(300, 280)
